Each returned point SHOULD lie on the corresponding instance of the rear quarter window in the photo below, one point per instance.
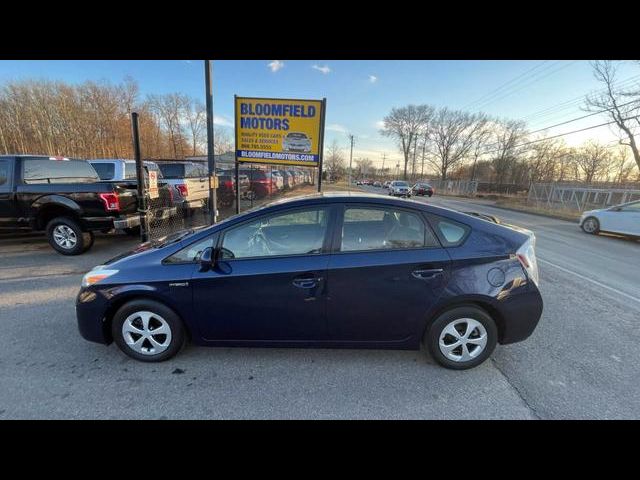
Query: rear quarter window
(44, 170)
(450, 232)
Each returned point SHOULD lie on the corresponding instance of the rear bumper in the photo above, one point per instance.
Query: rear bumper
(129, 221)
(164, 213)
(521, 314)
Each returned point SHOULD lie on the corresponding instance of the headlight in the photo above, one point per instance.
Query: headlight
(97, 274)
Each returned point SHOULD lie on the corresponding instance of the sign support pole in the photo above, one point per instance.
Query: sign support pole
(211, 159)
(321, 144)
(235, 149)
(142, 197)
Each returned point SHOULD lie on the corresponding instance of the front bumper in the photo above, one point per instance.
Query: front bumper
(401, 194)
(91, 309)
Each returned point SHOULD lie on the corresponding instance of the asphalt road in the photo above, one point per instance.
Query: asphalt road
(581, 362)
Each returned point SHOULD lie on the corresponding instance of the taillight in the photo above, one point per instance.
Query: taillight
(111, 201)
(228, 184)
(170, 194)
(183, 189)
(526, 254)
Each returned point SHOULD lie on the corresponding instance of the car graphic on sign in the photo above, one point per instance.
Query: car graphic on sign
(296, 142)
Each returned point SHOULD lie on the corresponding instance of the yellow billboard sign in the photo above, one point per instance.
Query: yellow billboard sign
(281, 131)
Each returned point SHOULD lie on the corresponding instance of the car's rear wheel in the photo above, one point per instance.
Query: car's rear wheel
(462, 337)
(591, 225)
(66, 236)
(147, 330)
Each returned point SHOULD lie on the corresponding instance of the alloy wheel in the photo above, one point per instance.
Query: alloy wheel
(146, 333)
(65, 237)
(590, 225)
(463, 340)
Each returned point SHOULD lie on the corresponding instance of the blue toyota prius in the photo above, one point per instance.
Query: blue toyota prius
(326, 270)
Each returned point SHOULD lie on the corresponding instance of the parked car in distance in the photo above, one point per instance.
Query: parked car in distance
(277, 179)
(190, 183)
(262, 183)
(423, 189)
(284, 275)
(399, 188)
(386, 183)
(123, 172)
(64, 198)
(226, 192)
(623, 219)
(377, 184)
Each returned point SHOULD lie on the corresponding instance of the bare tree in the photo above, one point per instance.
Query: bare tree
(405, 124)
(451, 136)
(507, 134)
(334, 161)
(622, 106)
(593, 159)
(195, 116)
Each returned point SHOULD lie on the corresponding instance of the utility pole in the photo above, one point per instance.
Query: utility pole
(424, 146)
(350, 159)
(384, 157)
(211, 158)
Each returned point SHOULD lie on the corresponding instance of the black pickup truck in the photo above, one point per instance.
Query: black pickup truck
(63, 197)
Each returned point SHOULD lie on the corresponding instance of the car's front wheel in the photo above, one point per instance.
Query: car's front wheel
(462, 337)
(147, 330)
(591, 225)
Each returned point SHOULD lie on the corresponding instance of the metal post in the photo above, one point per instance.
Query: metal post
(142, 197)
(237, 187)
(213, 203)
(350, 159)
(321, 143)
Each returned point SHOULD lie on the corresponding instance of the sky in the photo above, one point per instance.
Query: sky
(360, 93)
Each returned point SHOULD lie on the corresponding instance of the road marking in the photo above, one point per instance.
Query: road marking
(591, 280)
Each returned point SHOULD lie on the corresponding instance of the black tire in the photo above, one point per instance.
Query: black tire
(165, 313)
(83, 240)
(92, 238)
(432, 336)
(596, 223)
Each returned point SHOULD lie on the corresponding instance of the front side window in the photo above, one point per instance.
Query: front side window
(373, 228)
(632, 207)
(192, 252)
(43, 170)
(298, 232)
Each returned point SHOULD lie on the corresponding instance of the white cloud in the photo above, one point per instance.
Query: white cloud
(380, 124)
(275, 65)
(335, 127)
(324, 69)
(373, 79)
(222, 121)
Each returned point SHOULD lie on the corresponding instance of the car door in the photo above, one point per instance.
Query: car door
(270, 282)
(8, 205)
(387, 272)
(625, 220)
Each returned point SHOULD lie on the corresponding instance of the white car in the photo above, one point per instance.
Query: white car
(296, 142)
(623, 219)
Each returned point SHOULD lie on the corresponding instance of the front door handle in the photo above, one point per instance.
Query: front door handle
(308, 282)
(427, 274)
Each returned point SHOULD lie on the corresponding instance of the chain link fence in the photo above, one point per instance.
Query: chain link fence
(454, 187)
(578, 198)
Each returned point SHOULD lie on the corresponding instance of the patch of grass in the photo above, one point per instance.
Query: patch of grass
(521, 205)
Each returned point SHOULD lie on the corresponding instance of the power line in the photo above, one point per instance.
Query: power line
(532, 81)
(503, 85)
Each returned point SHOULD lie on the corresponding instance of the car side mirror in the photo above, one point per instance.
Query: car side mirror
(208, 259)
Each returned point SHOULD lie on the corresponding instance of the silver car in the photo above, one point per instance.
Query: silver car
(296, 142)
(399, 188)
(623, 219)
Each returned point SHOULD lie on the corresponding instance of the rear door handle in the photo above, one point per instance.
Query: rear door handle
(427, 274)
(306, 282)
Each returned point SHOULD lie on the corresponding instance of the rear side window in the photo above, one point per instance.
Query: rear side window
(172, 170)
(375, 228)
(39, 170)
(106, 171)
(4, 174)
(449, 232)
